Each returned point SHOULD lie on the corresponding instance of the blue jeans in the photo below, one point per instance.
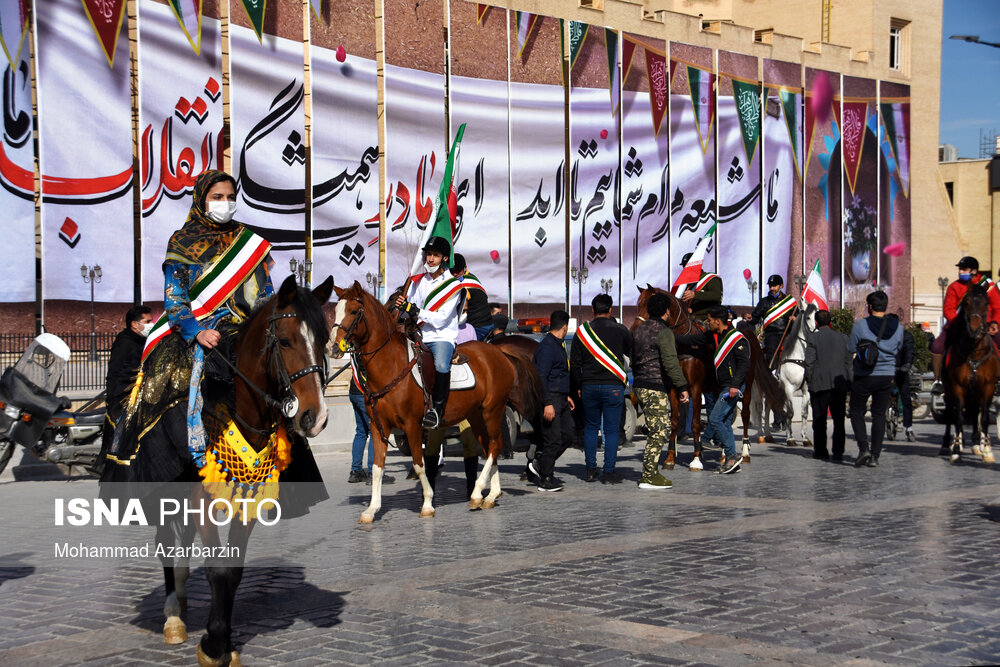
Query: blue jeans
(362, 434)
(442, 352)
(602, 403)
(483, 331)
(722, 410)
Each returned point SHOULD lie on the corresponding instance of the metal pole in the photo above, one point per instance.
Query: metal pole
(93, 331)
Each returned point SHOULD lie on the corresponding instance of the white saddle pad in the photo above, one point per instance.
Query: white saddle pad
(461, 374)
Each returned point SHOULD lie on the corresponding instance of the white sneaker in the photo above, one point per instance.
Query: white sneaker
(910, 435)
(696, 464)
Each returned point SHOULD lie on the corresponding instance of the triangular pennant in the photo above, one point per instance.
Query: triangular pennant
(481, 10)
(188, 13)
(791, 107)
(628, 50)
(701, 86)
(255, 12)
(614, 82)
(106, 17)
(852, 136)
(317, 7)
(13, 29)
(809, 131)
(577, 36)
(525, 25)
(747, 98)
(659, 97)
(896, 120)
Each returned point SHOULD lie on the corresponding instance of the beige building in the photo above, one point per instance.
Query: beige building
(974, 210)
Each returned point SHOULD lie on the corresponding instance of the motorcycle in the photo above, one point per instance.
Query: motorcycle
(32, 415)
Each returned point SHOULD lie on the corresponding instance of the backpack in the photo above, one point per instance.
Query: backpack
(868, 349)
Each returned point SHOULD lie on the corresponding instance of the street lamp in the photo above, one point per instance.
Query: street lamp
(302, 270)
(606, 285)
(579, 276)
(92, 275)
(974, 39)
(751, 285)
(800, 281)
(375, 281)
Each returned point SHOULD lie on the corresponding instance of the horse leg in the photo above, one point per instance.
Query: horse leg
(956, 441)
(804, 422)
(984, 431)
(419, 466)
(745, 416)
(223, 579)
(378, 467)
(675, 421)
(175, 575)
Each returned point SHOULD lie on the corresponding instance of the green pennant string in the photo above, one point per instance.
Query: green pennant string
(747, 98)
(255, 12)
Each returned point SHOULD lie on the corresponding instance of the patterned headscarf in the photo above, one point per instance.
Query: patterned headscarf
(201, 239)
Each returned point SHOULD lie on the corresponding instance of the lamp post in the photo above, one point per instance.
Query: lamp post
(92, 275)
(800, 281)
(579, 276)
(302, 270)
(375, 281)
(943, 284)
(752, 288)
(606, 285)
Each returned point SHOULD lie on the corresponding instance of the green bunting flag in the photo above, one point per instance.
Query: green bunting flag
(614, 82)
(701, 86)
(791, 107)
(577, 36)
(747, 98)
(255, 11)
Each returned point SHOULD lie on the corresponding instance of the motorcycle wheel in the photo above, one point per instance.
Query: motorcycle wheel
(6, 451)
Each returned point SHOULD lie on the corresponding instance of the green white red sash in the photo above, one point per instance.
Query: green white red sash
(443, 293)
(605, 357)
(356, 375)
(218, 283)
(778, 311)
(469, 281)
(728, 342)
(700, 285)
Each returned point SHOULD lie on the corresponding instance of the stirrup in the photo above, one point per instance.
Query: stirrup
(431, 419)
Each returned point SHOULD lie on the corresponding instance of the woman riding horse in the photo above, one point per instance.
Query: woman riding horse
(217, 289)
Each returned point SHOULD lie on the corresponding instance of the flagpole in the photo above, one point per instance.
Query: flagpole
(132, 14)
(307, 133)
(380, 115)
(227, 149)
(567, 73)
(37, 147)
(510, 184)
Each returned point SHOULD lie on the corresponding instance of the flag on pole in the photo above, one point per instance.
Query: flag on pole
(814, 292)
(445, 209)
(188, 13)
(692, 271)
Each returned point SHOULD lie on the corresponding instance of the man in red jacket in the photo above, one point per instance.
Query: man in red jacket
(968, 274)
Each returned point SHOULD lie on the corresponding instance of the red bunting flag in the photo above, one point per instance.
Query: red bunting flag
(852, 122)
(628, 50)
(659, 84)
(481, 10)
(106, 17)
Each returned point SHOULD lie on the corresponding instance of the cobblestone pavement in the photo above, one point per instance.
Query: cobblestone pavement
(791, 561)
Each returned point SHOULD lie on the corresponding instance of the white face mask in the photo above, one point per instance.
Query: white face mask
(145, 329)
(430, 269)
(221, 211)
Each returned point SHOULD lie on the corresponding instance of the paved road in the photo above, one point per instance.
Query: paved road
(791, 561)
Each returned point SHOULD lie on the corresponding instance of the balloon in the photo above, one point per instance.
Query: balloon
(822, 97)
(494, 255)
(604, 134)
(746, 274)
(895, 250)
(341, 54)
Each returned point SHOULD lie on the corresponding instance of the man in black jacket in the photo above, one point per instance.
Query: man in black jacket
(557, 419)
(904, 362)
(828, 374)
(732, 361)
(477, 306)
(771, 314)
(598, 377)
(123, 365)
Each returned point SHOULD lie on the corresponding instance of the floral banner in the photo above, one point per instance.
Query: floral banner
(106, 18)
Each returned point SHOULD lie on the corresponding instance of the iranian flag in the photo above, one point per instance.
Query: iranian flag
(814, 292)
(692, 271)
(445, 209)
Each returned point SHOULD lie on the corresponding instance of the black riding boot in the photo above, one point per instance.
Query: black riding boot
(431, 470)
(439, 398)
(471, 468)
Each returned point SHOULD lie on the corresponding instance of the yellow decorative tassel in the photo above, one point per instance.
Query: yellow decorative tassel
(133, 397)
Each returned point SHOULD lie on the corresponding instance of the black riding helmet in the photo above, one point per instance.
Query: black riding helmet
(775, 279)
(685, 259)
(439, 245)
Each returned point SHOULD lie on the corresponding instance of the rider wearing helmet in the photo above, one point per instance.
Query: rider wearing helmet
(433, 300)
(703, 294)
(968, 274)
(772, 314)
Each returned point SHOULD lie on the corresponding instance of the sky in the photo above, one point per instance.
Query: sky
(970, 74)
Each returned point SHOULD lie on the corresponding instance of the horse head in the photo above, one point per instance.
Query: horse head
(349, 319)
(293, 345)
(976, 310)
(809, 317)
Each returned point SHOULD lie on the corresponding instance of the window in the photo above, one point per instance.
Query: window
(899, 45)
(950, 189)
(895, 46)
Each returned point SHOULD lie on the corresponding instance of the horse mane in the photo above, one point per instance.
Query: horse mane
(675, 303)
(796, 328)
(306, 306)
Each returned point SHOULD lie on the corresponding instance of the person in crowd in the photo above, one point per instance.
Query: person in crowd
(123, 365)
(875, 342)
(475, 306)
(968, 274)
(557, 420)
(703, 294)
(657, 371)
(902, 380)
(362, 432)
(828, 374)
(732, 361)
(772, 314)
(500, 322)
(431, 301)
(598, 378)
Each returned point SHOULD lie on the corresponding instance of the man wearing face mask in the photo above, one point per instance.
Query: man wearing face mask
(123, 364)
(968, 274)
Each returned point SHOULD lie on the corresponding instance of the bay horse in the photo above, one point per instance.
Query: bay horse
(393, 399)
(792, 376)
(279, 356)
(698, 369)
(970, 374)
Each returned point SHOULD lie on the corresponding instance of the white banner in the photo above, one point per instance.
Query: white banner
(692, 181)
(645, 198)
(778, 200)
(738, 234)
(537, 193)
(86, 157)
(481, 181)
(181, 121)
(594, 227)
(268, 130)
(415, 162)
(17, 225)
(344, 169)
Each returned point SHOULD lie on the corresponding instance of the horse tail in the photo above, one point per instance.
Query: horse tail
(526, 394)
(766, 383)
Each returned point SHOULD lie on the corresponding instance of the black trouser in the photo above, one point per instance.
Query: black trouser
(879, 387)
(836, 401)
(557, 435)
(772, 341)
(903, 387)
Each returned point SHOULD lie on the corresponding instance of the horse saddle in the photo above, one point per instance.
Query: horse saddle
(423, 371)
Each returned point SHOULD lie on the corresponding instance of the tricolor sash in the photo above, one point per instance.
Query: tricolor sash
(214, 287)
(700, 285)
(605, 357)
(778, 311)
(469, 281)
(729, 340)
(443, 293)
(357, 375)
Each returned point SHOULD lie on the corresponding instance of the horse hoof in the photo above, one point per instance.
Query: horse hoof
(976, 451)
(427, 512)
(954, 458)
(761, 440)
(668, 466)
(745, 459)
(769, 439)
(807, 443)
(205, 661)
(790, 442)
(366, 519)
(988, 457)
(174, 631)
(488, 504)
(234, 659)
(475, 503)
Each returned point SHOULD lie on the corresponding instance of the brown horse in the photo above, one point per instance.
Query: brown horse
(697, 366)
(970, 374)
(367, 329)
